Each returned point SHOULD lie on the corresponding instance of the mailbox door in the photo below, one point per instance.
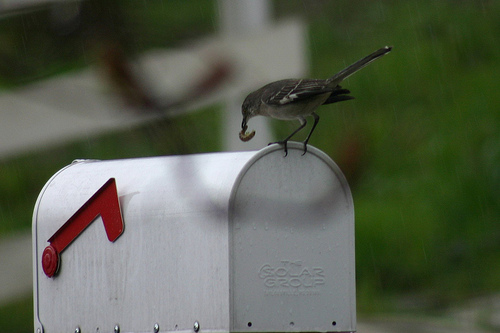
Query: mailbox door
(292, 244)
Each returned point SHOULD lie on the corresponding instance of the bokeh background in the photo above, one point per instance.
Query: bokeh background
(420, 144)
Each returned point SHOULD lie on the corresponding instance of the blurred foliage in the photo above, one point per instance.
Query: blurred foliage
(51, 39)
(420, 145)
(17, 316)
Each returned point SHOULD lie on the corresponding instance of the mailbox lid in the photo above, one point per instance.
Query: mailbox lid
(292, 244)
(170, 265)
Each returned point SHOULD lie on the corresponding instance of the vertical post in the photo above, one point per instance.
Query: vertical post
(238, 18)
(244, 15)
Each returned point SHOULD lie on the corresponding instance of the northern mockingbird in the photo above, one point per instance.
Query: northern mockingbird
(298, 98)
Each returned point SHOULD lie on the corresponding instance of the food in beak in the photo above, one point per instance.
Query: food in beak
(246, 136)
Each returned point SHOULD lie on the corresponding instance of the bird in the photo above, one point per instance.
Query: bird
(292, 99)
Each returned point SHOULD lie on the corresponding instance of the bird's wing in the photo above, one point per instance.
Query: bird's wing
(287, 91)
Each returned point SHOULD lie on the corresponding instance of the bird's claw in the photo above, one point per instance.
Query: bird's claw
(305, 149)
(284, 143)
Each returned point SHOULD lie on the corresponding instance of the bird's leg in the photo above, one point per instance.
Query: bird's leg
(316, 120)
(283, 142)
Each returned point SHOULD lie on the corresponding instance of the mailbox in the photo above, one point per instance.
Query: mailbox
(218, 242)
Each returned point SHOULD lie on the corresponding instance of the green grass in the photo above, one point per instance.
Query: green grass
(17, 316)
(419, 145)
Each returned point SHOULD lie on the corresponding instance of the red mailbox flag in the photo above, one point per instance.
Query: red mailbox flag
(103, 203)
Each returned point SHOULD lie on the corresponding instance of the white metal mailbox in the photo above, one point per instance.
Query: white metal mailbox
(220, 242)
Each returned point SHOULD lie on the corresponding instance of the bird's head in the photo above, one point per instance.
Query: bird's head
(250, 107)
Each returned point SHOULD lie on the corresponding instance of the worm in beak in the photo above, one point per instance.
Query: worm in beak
(244, 135)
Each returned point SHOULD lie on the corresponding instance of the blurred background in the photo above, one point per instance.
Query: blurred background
(420, 144)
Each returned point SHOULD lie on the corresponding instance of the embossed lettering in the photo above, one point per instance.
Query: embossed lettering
(292, 278)
(318, 271)
(265, 271)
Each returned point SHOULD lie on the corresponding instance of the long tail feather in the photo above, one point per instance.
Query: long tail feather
(343, 74)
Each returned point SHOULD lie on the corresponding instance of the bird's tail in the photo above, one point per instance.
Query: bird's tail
(343, 74)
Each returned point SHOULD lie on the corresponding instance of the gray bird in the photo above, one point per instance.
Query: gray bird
(298, 98)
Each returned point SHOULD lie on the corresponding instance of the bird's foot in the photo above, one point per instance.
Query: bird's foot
(283, 143)
(305, 148)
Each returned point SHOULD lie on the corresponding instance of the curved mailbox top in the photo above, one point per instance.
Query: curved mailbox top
(244, 241)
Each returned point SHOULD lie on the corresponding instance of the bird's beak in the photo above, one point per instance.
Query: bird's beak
(244, 123)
